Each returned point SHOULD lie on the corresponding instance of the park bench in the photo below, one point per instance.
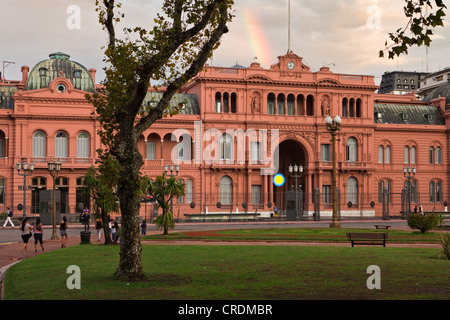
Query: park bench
(368, 238)
(382, 226)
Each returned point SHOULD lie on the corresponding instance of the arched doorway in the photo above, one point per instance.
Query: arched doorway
(291, 152)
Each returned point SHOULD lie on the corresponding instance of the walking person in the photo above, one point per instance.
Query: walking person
(26, 228)
(115, 230)
(63, 231)
(98, 227)
(143, 228)
(9, 215)
(38, 232)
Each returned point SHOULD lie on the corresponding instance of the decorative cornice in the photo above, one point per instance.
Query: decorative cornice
(317, 84)
(50, 100)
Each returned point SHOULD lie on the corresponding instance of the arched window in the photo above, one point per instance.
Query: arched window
(358, 108)
(431, 156)
(432, 191)
(382, 185)
(2, 190)
(406, 155)
(436, 191)
(280, 104)
(180, 198)
(39, 145)
(226, 102)
(61, 145)
(352, 190)
(380, 154)
(271, 103)
(2, 145)
(291, 105)
(43, 77)
(310, 105)
(226, 191)
(352, 150)
(83, 145)
(233, 103)
(438, 155)
(218, 102)
(301, 105)
(387, 154)
(344, 107)
(351, 108)
(226, 147)
(189, 191)
(413, 154)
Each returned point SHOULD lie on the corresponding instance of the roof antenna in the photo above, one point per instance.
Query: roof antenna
(5, 64)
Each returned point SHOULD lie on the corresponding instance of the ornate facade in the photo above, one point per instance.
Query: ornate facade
(237, 127)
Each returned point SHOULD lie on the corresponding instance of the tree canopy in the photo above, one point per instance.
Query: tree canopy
(171, 52)
(423, 17)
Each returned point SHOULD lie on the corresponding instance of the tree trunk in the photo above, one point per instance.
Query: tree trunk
(105, 224)
(130, 265)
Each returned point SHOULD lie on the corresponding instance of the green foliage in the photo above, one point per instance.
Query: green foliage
(423, 222)
(100, 184)
(445, 251)
(422, 21)
(163, 189)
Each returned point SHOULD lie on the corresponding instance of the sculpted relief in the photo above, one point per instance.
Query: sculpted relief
(325, 105)
(256, 103)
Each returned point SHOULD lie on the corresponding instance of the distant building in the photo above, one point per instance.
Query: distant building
(400, 82)
(433, 81)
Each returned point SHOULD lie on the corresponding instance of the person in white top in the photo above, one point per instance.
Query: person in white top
(9, 215)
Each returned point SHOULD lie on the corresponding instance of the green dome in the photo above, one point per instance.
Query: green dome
(441, 91)
(47, 70)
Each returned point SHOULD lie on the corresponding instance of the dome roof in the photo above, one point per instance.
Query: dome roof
(441, 91)
(59, 64)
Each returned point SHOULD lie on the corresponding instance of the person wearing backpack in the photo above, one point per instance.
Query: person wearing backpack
(9, 215)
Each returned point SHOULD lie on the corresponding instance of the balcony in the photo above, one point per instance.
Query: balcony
(41, 162)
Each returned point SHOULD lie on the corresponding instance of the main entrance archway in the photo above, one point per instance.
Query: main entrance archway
(291, 152)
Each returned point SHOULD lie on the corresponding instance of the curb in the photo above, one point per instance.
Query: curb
(2, 276)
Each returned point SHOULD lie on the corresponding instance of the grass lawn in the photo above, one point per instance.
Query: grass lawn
(296, 234)
(234, 273)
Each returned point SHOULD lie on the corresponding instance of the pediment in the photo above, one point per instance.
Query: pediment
(59, 88)
(333, 82)
(258, 77)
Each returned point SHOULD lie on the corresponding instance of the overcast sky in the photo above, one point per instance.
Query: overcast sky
(345, 35)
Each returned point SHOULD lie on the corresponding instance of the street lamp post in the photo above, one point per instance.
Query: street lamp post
(409, 170)
(334, 126)
(54, 168)
(177, 169)
(27, 172)
(296, 172)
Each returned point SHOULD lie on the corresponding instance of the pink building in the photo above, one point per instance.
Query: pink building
(233, 124)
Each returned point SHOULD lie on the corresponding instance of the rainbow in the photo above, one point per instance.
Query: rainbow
(258, 41)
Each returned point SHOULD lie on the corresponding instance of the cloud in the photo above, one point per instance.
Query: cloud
(322, 32)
